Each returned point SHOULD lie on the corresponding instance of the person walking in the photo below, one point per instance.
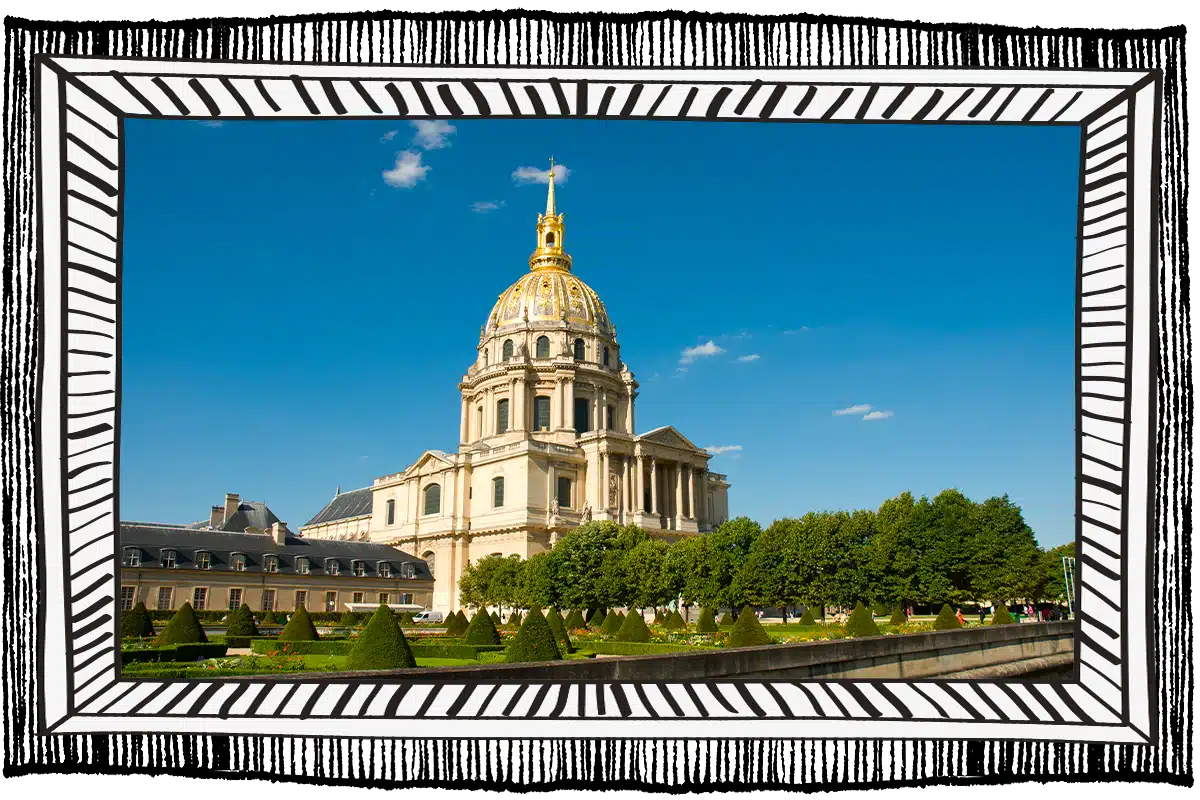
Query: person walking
(982, 614)
(959, 615)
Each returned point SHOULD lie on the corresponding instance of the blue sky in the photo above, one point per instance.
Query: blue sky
(762, 277)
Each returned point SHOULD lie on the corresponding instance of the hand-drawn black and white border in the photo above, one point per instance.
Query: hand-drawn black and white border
(1128, 249)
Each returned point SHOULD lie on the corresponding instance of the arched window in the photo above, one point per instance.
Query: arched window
(606, 356)
(428, 559)
(543, 347)
(391, 512)
(541, 413)
(502, 416)
(433, 499)
(508, 349)
(549, 240)
(497, 492)
(579, 349)
(485, 358)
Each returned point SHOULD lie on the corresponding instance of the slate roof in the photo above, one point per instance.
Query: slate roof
(152, 538)
(249, 514)
(347, 504)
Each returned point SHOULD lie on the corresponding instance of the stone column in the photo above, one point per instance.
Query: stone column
(569, 408)
(626, 474)
(653, 485)
(596, 408)
(489, 412)
(604, 473)
(556, 415)
(603, 410)
(692, 494)
(629, 413)
(639, 485)
(463, 433)
(678, 494)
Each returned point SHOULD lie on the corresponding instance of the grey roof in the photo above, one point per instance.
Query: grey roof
(249, 514)
(347, 504)
(153, 538)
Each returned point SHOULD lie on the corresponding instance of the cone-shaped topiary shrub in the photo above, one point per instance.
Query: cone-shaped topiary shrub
(596, 620)
(241, 622)
(555, 621)
(514, 619)
(136, 622)
(706, 623)
(898, 616)
(946, 620)
(727, 619)
(1002, 617)
(299, 628)
(807, 618)
(456, 623)
(880, 609)
(574, 620)
(407, 618)
(860, 622)
(481, 630)
(381, 645)
(348, 620)
(659, 617)
(268, 618)
(534, 642)
(633, 629)
(611, 624)
(674, 622)
(495, 620)
(183, 628)
(748, 631)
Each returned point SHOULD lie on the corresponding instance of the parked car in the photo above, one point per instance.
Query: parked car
(428, 616)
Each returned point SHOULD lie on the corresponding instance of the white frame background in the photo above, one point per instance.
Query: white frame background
(83, 102)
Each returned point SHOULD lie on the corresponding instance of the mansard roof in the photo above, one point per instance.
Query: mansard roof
(355, 503)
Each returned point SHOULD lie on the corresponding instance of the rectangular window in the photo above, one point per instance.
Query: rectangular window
(126, 598)
(332, 567)
(383, 598)
(235, 599)
(391, 512)
(331, 601)
(271, 564)
(408, 570)
(301, 599)
(541, 413)
(268, 600)
(406, 599)
(302, 565)
(581, 415)
(199, 598)
(133, 557)
(609, 416)
(564, 492)
(357, 597)
(168, 559)
(360, 569)
(164, 598)
(497, 492)
(385, 570)
(202, 560)
(502, 416)
(238, 562)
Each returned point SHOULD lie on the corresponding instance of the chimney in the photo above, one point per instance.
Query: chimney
(232, 501)
(279, 532)
(216, 516)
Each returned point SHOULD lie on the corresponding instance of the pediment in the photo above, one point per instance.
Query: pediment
(668, 437)
(430, 461)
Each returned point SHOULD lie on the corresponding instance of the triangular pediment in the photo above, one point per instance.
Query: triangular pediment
(668, 437)
(430, 461)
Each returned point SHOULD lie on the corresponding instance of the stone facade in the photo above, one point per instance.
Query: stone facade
(546, 441)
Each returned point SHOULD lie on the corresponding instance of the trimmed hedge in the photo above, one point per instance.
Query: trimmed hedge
(659, 617)
(860, 622)
(727, 619)
(299, 628)
(555, 621)
(348, 620)
(898, 616)
(268, 618)
(303, 647)
(453, 650)
(183, 628)
(675, 622)
(807, 618)
(381, 644)
(136, 622)
(482, 630)
(514, 619)
(534, 642)
(493, 658)
(946, 619)
(456, 623)
(611, 624)
(574, 620)
(495, 620)
(596, 620)
(1002, 617)
(192, 651)
(706, 624)
(241, 622)
(633, 648)
(633, 629)
(748, 631)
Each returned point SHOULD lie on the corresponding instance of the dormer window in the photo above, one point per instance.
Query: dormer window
(360, 569)
(385, 569)
(203, 559)
(237, 562)
(408, 570)
(332, 567)
(167, 559)
(271, 564)
(133, 557)
(302, 567)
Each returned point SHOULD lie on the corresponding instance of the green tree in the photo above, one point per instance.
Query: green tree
(491, 581)
(949, 533)
(1004, 562)
(649, 581)
(894, 552)
(539, 582)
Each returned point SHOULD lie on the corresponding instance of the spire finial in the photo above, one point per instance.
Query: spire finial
(550, 191)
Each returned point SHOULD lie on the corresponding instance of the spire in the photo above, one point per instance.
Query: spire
(550, 212)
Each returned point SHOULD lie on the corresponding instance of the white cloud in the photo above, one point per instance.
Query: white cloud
(878, 415)
(408, 172)
(387, 137)
(709, 348)
(748, 358)
(432, 134)
(861, 408)
(538, 175)
(485, 206)
(724, 448)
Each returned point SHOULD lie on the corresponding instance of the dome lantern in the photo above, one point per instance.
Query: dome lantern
(549, 254)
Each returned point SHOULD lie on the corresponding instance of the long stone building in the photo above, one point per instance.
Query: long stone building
(546, 441)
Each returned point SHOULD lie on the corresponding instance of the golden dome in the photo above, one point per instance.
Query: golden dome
(550, 293)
